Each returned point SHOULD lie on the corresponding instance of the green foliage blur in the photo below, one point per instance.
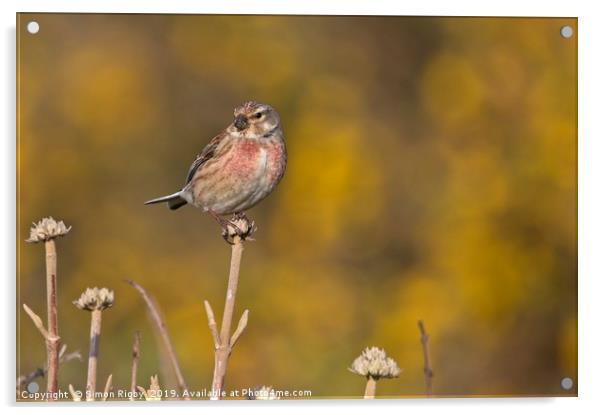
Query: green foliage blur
(432, 175)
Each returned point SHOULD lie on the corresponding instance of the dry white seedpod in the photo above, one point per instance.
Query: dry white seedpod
(373, 362)
(47, 229)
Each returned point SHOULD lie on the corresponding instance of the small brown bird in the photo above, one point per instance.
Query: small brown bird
(238, 168)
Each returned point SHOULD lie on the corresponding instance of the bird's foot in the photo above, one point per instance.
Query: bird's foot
(240, 226)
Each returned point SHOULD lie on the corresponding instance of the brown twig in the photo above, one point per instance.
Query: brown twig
(428, 370)
(163, 331)
(222, 341)
(135, 360)
(53, 340)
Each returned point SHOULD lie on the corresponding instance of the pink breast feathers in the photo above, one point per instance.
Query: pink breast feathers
(276, 161)
(244, 161)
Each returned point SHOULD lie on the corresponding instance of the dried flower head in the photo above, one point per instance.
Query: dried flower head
(243, 227)
(95, 299)
(374, 363)
(47, 229)
(263, 393)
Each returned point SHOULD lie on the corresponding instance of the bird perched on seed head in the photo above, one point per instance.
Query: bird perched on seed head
(238, 168)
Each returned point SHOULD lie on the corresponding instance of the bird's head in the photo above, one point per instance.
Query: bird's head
(255, 120)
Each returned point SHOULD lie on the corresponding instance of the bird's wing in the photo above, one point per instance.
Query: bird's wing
(208, 153)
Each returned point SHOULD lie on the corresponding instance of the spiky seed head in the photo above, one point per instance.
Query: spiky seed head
(245, 227)
(47, 229)
(95, 299)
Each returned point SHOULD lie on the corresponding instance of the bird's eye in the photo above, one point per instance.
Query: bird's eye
(259, 115)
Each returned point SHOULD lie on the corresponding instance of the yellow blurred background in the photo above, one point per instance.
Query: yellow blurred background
(431, 175)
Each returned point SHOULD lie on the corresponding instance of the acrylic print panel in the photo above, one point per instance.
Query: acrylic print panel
(430, 177)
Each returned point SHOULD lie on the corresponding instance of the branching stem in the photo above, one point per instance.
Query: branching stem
(222, 340)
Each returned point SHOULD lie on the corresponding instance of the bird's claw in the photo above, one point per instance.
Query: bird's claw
(239, 226)
(229, 230)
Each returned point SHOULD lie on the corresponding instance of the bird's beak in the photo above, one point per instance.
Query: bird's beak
(240, 122)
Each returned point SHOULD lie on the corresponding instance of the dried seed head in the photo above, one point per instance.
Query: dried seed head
(263, 393)
(47, 229)
(243, 227)
(374, 363)
(95, 299)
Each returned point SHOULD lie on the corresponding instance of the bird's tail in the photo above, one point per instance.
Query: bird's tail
(174, 201)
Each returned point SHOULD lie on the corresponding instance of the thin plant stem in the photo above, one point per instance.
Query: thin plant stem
(135, 361)
(164, 336)
(108, 387)
(53, 339)
(223, 342)
(224, 349)
(95, 325)
(428, 370)
(235, 260)
(370, 391)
